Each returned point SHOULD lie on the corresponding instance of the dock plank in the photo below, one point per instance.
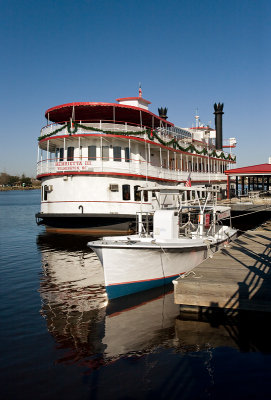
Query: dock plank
(237, 277)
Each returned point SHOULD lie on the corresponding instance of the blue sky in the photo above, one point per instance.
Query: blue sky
(187, 54)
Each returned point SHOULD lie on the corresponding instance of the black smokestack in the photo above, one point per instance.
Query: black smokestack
(162, 112)
(218, 125)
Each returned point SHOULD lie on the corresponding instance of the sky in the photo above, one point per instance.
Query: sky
(187, 55)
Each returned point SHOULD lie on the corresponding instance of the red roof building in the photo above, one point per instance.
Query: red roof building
(253, 170)
(256, 176)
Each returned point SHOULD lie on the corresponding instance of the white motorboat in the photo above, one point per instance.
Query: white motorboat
(183, 235)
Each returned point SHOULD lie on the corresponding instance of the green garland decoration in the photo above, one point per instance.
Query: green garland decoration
(152, 134)
(190, 149)
(52, 133)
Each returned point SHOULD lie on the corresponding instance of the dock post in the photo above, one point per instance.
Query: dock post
(236, 186)
(228, 187)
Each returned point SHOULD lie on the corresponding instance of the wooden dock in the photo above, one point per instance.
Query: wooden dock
(237, 277)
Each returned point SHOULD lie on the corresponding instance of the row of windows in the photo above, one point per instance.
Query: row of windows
(126, 193)
(92, 153)
(183, 165)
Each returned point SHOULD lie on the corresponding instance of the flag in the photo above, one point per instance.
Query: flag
(188, 181)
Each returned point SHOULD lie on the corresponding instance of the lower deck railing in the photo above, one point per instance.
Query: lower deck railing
(135, 167)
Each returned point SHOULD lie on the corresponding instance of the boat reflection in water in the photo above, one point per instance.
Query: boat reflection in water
(92, 332)
(74, 304)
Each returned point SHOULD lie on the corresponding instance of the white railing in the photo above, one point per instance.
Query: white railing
(100, 125)
(115, 127)
(49, 129)
(135, 167)
(166, 135)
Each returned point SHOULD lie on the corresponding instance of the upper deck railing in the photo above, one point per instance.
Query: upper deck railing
(117, 126)
(114, 126)
(166, 136)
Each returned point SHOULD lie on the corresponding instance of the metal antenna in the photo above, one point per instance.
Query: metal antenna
(197, 118)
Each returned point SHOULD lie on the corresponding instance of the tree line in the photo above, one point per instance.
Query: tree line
(16, 180)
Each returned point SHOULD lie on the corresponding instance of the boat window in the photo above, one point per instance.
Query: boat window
(137, 195)
(117, 153)
(57, 153)
(127, 154)
(91, 152)
(70, 153)
(61, 154)
(44, 193)
(105, 153)
(146, 195)
(126, 192)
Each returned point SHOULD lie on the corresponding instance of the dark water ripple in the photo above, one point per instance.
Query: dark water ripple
(61, 340)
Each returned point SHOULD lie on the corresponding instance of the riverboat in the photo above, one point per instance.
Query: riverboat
(183, 236)
(93, 157)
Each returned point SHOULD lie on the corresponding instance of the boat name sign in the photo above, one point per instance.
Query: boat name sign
(72, 165)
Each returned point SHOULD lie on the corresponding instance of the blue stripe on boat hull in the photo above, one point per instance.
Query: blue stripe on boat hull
(114, 291)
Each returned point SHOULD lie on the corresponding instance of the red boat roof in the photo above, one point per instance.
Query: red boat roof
(89, 111)
(259, 169)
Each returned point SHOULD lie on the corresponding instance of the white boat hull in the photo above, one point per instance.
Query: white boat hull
(132, 271)
(129, 269)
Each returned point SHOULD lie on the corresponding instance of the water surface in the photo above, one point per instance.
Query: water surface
(60, 339)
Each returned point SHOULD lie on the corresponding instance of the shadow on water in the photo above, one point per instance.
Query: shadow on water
(244, 330)
(68, 243)
(242, 221)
